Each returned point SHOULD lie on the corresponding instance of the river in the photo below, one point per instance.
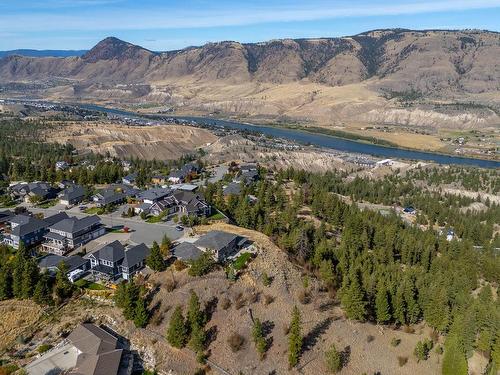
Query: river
(320, 140)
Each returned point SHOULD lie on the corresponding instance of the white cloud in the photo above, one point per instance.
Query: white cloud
(164, 18)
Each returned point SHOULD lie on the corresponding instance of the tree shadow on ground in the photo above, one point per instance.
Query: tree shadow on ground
(312, 337)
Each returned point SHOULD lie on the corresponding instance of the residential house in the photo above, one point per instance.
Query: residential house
(26, 192)
(222, 244)
(130, 179)
(113, 261)
(186, 251)
(167, 205)
(191, 204)
(76, 266)
(187, 171)
(71, 233)
(28, 229)
(88, 350)
(248, 167)
(5, 216)
(108, 197)
(73, 194)
(233, 188)
(153, 195)
(177, 177)
(247, 177)
(410, 210)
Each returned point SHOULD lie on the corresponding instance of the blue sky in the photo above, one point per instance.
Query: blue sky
(171, 24)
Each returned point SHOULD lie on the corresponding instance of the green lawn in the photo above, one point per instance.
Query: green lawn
(217, 216)
(156, 219)
(48, 204)
(241, 261)
(85, 284)
(94, 211)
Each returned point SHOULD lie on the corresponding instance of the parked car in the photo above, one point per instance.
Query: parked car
(180, 228)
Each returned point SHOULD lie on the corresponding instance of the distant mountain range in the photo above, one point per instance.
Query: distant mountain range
(247, 77)
(42, 53)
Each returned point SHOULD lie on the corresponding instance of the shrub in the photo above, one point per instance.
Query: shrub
(408, 329)
(402, 361)
(422, 349)
(170, 284)
(304, 297)
(266, 280)
(203, 265)
(43, 348)
(236, 342)
(268, 299)
(179, 265)
(369, 338)
(333, 359)
(226, 303)
(395, 341)
(439, 350)
(239, 301)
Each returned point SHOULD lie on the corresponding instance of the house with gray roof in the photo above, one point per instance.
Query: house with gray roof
(130, 179)
(221, 244)
(27, 229)
(108, 197)
(26, 191)
(76, 266)
(71, 233)
(186, 251)
(73, 194)
(153, 195)
(113, 261)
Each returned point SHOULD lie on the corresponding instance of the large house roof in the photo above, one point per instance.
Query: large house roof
(51, 220)
(73, 224)
(28, 225)
(216, 240)
(113, 252)
(53, 260)
(72, 192)
(100, 352)
(187, 251)
(155, 193)
(135, 255)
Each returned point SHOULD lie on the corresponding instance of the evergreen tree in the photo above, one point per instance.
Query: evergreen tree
(30, 278)
(352, 300)
(295, 339)
(166, 244)
(399, 306)
(333, 360)
(454, 360)
(259, 338)
(5, 282)
(197, 338)
(155, 259)
(382, 308)
(437, 311)
(63, 288)
(130, 300)
(141, 315)
(177, 332)
(195, 316)
(42, 294)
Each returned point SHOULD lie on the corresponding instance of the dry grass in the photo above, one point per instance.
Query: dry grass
(16, 317)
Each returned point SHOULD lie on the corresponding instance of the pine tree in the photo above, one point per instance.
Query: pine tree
(352, 300)
(63, 288)
(42, 294)
(295, 339)
(399, 306)
(437, 311)
(259, 338)
(166, 244)
(5, 282)
(22, 255)
(195, 315)
(177, 332)
(382, 309)
(141, 315)
(155, 259)
(130, 300)
(30, 276)
(333, 360)
(197, 339)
